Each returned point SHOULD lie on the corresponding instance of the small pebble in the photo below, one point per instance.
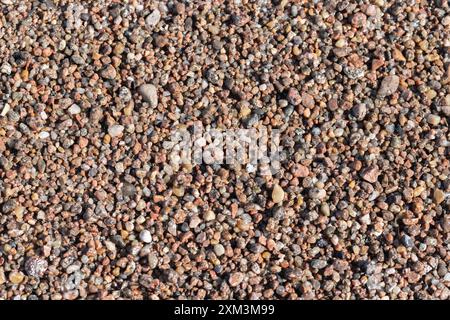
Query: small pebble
(325, 209)
(294, 97)
(318, 264)
(277, 194)
(36, 267)
(235, 279)
(433, 119)
(152, 261)
(153, 18)
(317, 193)
(388, 86)
(74, 109)
(438, 196)
(145, 236)
(5, 110)
(209, 215)
(109, 72)
(115, 130)
(370, 174)
(149, 94)
(16, 277)
(407, 241)
(219, 250)
(359, 111)
(44, 134)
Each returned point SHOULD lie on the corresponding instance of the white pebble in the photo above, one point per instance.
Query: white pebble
(6, 68)
(44, 134)
(115, 130)
(366, 219)
(149, 93)
(153, 18)
(74, 109)
(145, 236)
(5, 110)
(43, 115)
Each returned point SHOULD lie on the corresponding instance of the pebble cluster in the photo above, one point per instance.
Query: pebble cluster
(91, 209)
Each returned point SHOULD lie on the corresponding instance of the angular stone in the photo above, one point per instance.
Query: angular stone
(153, 18)
(149, 94)
(115, 130)
(370, 174)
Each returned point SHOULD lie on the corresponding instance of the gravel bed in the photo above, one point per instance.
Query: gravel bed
(91, 207)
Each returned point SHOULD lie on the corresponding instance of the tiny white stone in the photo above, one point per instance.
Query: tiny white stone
(115, 130)
(201, 142)
(44, 134)
(366, 219)
(119, 167)
(219, 250)
(447, 277)
(149, 94)
(209, 215)
(338, 132)
(74, 109)
(6, 68)
(153, 18)
(5, 110)
(110, 246)
(62, 45)
(145, 236)
(43, 115)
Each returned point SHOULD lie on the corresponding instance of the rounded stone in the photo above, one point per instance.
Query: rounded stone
(359, 111)
(74, 109)
(109, 72)
(145, 236)
(433, 119)
(235, 279)
(16, 277)
(438, 196)
(318, 264)
(36, 267)
(152, 260)
(219, 249)
(277, 194)
(389, 85)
